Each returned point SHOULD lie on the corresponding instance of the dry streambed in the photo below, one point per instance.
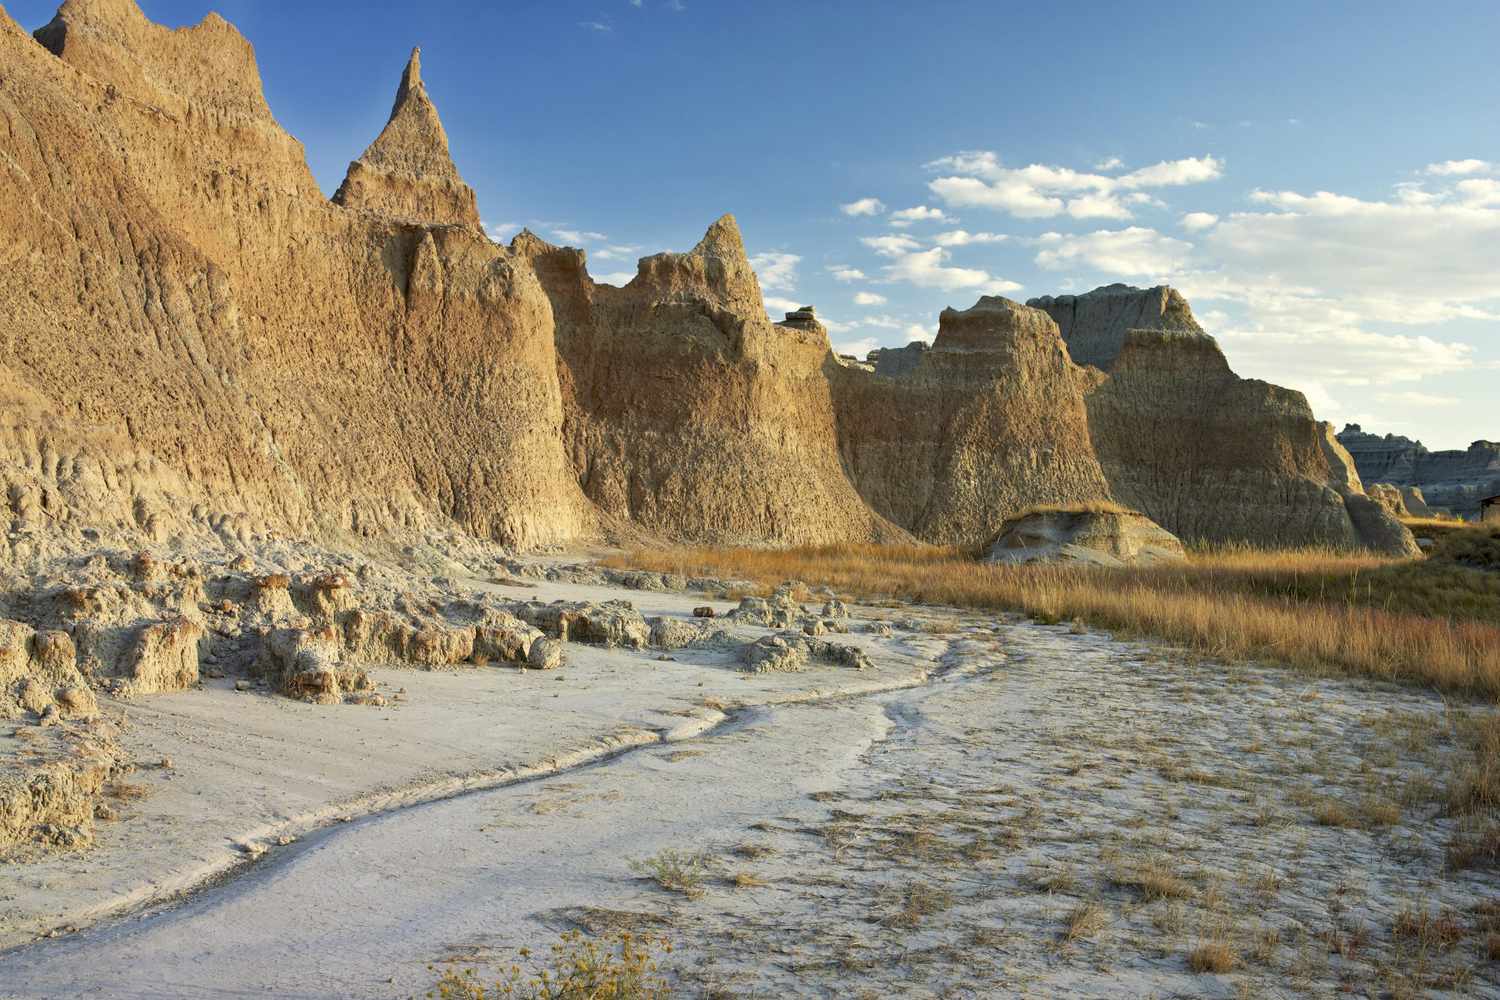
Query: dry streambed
(1053, 814)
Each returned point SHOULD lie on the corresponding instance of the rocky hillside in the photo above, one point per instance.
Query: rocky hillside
(1453, 481)
(203, 350)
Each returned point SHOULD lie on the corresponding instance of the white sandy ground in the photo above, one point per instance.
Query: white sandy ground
(930, 840)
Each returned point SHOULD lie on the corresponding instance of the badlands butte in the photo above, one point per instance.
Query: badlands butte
(236, 412)
(203, 349)
(254, 439)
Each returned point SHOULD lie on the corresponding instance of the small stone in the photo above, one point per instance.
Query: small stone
(704, 612)
(243, 685)
(166, 763)
(545, 654)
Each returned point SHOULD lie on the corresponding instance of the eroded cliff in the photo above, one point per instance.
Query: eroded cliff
(1210, 456)
(987, 422)
(244, 358)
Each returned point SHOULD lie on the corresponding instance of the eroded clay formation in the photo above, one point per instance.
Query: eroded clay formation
(221, 392)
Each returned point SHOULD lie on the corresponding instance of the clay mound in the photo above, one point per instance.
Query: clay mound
(986, 422)
(1389, 498)
(1099, 537)
(408, 172)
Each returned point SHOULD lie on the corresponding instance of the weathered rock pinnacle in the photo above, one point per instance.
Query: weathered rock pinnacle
(408, 171)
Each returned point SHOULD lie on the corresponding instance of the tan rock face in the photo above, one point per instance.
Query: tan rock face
(245, 356)
(688, 413)
(989, 421)
(408, 172)
(201, 349)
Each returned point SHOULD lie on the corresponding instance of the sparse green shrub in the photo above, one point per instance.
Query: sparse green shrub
(675, 871)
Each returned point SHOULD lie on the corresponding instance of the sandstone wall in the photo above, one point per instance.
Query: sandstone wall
(199, 347)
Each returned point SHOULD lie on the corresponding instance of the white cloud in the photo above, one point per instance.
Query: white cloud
(929, 269)
(1038, 191)
(842, 272)
(882, 322)
(595, 26)
(857, 348)
(920, 213)
(917, 331)
(1314, 280)
(1459, 168)
(775, 304)
(576, 238)
(892, 245)
(1196, 222)
(1479, 192)
(613, 252)
(777, 271)
(1113, 163)
(868, 299)
(962, 238)
(620, 278)
(1135, 251)
(505, 230)
(863, 206)
(1426, 257)
(1097, 206)
(1412, 397)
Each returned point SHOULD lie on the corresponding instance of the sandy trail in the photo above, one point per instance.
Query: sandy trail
(932, 840)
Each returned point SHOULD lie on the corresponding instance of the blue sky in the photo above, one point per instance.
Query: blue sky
(1321, 180)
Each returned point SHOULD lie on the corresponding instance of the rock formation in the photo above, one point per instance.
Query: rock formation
(1449, 481)
(244, 356)
(1096, 326)
(1098, 536)
(988, 421)
(245, 360)
(689, 414)
(407, 173)
(1210, 456)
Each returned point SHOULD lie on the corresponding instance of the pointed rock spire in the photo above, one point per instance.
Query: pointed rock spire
(408, 171)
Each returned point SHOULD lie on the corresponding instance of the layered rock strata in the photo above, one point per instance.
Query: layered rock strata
(1210, 456)
(988, 421)
(1452, 481)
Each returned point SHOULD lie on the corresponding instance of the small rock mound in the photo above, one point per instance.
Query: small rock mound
(1102, 537)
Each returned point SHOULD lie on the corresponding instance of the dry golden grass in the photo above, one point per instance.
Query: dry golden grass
(1318, 610)
(1084, 921)
(1213, 956)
